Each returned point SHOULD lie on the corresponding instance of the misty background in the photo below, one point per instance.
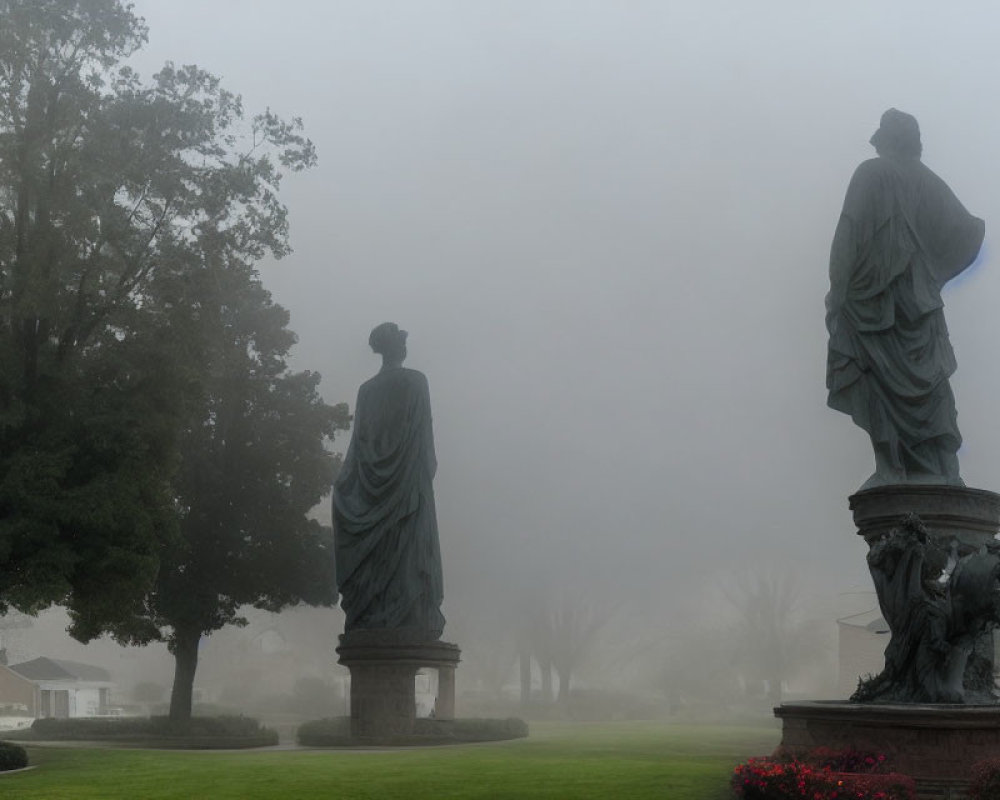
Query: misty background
(606, 226)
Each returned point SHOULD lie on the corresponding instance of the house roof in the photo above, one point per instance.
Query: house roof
(50, 669)
(872, 620)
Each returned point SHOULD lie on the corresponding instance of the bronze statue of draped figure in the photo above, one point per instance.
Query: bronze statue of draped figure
(902, 235)
(388, 560)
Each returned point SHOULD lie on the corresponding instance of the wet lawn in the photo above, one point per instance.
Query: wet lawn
(633, 760)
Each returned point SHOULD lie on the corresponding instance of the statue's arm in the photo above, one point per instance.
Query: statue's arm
(966, 242)
(954, 236)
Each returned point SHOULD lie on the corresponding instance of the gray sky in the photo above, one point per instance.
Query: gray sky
(606, 226)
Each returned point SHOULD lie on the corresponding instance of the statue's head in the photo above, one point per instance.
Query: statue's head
(388, 341)
(898, 134)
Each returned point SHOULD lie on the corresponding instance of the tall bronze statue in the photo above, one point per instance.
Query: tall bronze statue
(902, 235)
(385, 525)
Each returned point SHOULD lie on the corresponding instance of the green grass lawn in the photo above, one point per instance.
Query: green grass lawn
(607, 760)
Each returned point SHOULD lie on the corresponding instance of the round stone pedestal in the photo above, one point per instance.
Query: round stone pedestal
(383, 667)
(935, 744)
(970, 516)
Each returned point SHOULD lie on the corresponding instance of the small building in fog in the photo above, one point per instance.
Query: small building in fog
(862, 639)
(46, 687)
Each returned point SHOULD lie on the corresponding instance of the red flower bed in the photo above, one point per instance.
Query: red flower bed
(891, 786)
(985, 784)
(822, 777)
(857, 762)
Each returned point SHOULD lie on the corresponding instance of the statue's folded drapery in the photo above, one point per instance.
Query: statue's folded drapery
(902, 235)
(387, 553)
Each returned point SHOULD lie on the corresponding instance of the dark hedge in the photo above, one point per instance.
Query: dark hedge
(12, 756)
(198, 732)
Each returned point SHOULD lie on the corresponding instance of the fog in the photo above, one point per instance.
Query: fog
(606, 226)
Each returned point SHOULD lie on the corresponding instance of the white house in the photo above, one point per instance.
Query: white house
(862, 641)
(59, 688)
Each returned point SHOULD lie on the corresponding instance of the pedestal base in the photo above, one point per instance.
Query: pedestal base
(383, 667)
(935, 745)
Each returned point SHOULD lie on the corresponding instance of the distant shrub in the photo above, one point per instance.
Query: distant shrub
(324, 732)
(227, 726)
(985, 784)
(12, 756)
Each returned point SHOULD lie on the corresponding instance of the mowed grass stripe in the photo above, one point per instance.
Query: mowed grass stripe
(628, 760)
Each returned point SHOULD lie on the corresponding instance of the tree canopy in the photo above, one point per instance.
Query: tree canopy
(253, 464)
(135, 338)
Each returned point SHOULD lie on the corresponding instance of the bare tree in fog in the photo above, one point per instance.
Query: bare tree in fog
(490, 661)
(560, 634)
(770, 639)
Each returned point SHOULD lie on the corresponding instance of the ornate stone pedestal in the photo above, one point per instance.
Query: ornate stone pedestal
(934, 744)
(970, 516)
(383, 667)
(953, 515)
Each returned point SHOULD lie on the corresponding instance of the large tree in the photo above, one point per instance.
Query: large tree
(253, 464)
(110, 190)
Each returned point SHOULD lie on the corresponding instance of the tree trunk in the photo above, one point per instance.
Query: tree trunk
(546, 667)
(185, 664)
(563, 685)
(525, 677)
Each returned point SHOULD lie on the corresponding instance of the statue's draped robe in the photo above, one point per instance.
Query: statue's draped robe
(902, 235)
(388, 559)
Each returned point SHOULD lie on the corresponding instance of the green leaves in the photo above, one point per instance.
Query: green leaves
(151, 438)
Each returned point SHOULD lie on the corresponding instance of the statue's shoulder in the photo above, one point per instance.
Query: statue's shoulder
(882, 168)
(414, 375)
(415, 382)
(874, 169)
(395, 378)
(877, 181)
